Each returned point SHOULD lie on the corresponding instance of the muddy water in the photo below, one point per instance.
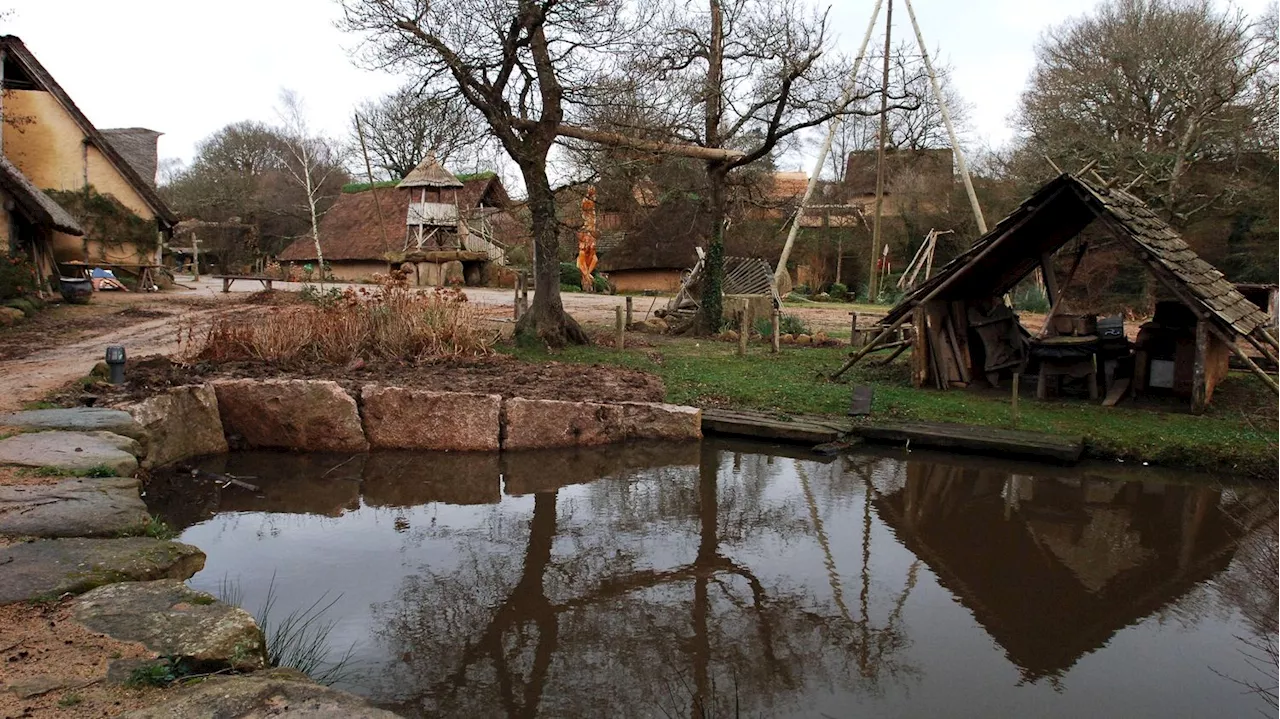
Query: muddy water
(746, 579)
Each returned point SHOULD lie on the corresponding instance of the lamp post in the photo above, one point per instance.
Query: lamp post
(115, 362)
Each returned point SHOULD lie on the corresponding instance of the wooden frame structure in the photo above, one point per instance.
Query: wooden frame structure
(1026, 241)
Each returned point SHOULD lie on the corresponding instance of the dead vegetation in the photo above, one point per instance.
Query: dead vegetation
(390, 322)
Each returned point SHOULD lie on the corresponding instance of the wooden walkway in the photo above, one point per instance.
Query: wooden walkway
(813, 430)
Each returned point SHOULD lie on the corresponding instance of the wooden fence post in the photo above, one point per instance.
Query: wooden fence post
(516, 301)
(742, 330)
(628, 310)
(1199, 384)
(777, 332)
(855, 339)
(1016, 377)
(622, 329)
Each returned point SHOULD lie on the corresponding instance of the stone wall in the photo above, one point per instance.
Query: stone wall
(322, 416)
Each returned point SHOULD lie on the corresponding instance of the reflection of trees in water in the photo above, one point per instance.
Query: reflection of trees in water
(598, 628)
(1251, 585)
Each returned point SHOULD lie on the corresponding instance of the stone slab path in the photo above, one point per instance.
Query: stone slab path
(49, 568)
(72, 452)
(275, 693)
(76, 419)
(80, 507)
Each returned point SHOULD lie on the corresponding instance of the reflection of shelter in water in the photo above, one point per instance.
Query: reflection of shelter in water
(1052, 568)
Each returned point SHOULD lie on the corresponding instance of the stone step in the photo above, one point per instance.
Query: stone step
(48, 568)
(85, 507)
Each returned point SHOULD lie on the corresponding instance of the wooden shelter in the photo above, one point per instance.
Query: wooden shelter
(964, 329)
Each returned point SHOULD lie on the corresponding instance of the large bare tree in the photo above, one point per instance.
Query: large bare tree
(309, 159)
(1152, 90)
(401, 128)
(520, 64)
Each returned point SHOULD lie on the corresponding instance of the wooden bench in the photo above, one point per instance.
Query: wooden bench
(228, 279)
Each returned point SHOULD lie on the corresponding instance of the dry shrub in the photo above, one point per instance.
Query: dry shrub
(390, 322)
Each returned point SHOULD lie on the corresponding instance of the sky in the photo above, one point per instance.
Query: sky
(186, 68)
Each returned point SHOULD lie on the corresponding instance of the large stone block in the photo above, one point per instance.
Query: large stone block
(76, 419)
(545, 423)
(402, 418)
(273, 693)
(652, 420)
(181, 423)
(308, 415)
(49, 568)
(86, 507)
(452, 274)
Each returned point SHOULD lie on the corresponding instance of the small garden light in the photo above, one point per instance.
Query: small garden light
(115, 362)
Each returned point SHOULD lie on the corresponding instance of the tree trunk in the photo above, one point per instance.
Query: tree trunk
(546, 318)
(712, 295)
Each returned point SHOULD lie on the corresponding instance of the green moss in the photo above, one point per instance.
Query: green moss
(352, 188)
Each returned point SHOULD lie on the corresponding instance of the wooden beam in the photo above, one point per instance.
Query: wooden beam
(1050, 278)
(1199, 384)
(616, 139)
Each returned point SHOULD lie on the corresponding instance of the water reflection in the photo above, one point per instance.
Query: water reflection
(735, 579)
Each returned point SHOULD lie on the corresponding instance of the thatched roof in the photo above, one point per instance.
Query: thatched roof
(350, 230)
(663, 238)
(138, 147)
(430, 173)
(1057, 213)
(36, 205)
(921, 171)
(22, 70)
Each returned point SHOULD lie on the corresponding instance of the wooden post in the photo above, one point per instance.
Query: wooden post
(195, 254)
(1199, 388)
(919, 348)
(1050, 278)
(622, 329)
(777, 332)
(1016, 376)
(855, 338)
(628, 310)
(743, 315)
(873, 289)
(516, 301)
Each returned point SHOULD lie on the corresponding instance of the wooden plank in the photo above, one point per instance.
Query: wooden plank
(861, 404)
(1116, 392)
(981, 440)
(741, 423)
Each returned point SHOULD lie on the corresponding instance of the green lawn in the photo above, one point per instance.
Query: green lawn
(1237, 435)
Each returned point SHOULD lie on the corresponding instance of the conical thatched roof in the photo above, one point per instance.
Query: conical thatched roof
(430, 173)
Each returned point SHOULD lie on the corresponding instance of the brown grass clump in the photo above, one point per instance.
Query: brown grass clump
(390, 322)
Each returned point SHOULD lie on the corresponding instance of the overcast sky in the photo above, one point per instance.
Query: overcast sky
(187, 68)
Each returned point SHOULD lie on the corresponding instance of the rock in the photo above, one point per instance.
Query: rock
(274, 693)
(651, 326)
(72, 508)
(175, 621)
(787, 338)
(400, 418)
(72, 451)
(820, 338)
(541, 423)
(39, 686)
(49, 568)
(651, 420)
(729, 335)
(10, 316)
(309, 415)
(452, 274)
(77, 419)
(803, 339)
(181, 423)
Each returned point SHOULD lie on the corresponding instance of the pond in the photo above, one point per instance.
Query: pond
(744, 579)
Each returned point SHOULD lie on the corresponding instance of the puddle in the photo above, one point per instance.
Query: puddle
(738, 579)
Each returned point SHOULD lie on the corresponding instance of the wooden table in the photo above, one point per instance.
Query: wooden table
(228, 279)
(1083, 364)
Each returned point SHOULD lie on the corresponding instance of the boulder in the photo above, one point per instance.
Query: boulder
(803, 339)
(72, 508)
(401, 418)
(787, 338)
(49, 568)
(652, 420)
(308, 415)
(273, 693)
(819, 338)
(729, 335)
(77, 419)
(452, 274)
(428, 274)
(173, 620)
(10, 316)
(72, 452)
(543, 423)
(181, 423)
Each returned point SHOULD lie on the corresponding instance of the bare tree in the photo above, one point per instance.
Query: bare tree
(309, 159)
(519, 64)
(402, 127)
(1151, 90)
(746, 75)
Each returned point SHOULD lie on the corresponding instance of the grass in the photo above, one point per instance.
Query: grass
(70, 699)
(97, 471)
(1237, 434)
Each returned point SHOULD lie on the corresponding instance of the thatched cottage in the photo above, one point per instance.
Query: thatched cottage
(72, 191)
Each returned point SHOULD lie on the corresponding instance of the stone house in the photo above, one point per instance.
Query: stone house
(55, 158)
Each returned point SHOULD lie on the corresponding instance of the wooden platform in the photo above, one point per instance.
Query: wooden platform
(980, 440)
(781, 428)
(813, 430)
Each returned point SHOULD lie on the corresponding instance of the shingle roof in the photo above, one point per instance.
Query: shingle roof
(1059, 211)
(37, 205)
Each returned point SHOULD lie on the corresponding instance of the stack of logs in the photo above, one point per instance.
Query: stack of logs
(941, 345)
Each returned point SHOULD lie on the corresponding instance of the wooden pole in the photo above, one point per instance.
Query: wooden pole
(946, 120)
(845, 99)
(855, 337)
(622, 328)
(1016, 377)
(628, 310)
(742, 330)
(873, 290)
(195, 258)
(516, 301)
(1199, 384)
(776, 324)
